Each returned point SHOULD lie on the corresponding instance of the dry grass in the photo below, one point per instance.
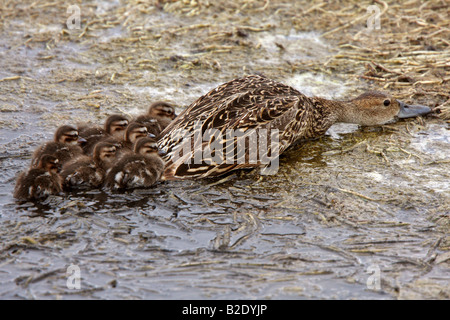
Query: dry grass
(409, 55)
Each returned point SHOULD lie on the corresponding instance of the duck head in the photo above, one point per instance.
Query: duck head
(105, 153)
(116, 125)
(376, 108)
(146, 147)
(68, 135)
(134, 132)
(161, 110)
(49, 163)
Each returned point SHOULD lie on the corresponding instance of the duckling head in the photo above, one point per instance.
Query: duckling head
(105, 152)
(68, 135)
(116, 125)
(134, 132)
(377, 108)
(146, 147)
(49, 163)
(161, 110)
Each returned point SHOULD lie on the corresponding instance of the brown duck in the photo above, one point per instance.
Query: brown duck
(114, 127)
(89, 172)
(140, 169)
(134, 131)
(258, 103)
(64, 147)
(160, 111)
(39, 182)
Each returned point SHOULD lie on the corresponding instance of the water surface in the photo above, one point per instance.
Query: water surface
(354, 201)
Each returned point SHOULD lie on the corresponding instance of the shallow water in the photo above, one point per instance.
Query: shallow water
(354, 201)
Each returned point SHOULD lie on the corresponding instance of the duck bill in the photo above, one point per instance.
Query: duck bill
(81, 140)
(409, 111)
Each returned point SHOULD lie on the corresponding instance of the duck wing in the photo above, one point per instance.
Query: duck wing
(253, 102)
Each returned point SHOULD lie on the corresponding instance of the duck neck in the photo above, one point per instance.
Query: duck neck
(330, 111)
(339, 111)
(97, 161)
(346, 112)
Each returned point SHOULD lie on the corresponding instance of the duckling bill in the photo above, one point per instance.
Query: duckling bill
(258, 103)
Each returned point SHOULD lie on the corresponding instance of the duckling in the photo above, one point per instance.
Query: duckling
(161, 111)
(258, 103)
(134, 131)
(64, 147)
(114, 127)
(89, 172)
(91, 135)
(138, 170)
(153, 127)
(39, 182)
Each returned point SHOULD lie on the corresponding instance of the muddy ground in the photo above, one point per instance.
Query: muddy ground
(360, 213)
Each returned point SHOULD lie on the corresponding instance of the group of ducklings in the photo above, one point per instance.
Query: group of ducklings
(122, 155)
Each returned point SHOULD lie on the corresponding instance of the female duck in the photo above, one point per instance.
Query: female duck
(255, 103)
(39, 182)
(89, 172)
(64, 147)
(141, 169)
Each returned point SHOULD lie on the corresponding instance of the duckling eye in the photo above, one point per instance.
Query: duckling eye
(387, 102)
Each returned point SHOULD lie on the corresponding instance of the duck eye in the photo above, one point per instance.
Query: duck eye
(387, 102)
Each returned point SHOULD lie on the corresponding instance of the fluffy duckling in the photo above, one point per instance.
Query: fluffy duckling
(161, 111)
(65, 146)
(152, 125)
(89, 172)
(39, 182)
(134, 131)
(138, 170)
(114, 127)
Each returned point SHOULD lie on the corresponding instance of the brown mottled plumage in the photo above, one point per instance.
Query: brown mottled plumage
(256, 102)
(39, 182)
